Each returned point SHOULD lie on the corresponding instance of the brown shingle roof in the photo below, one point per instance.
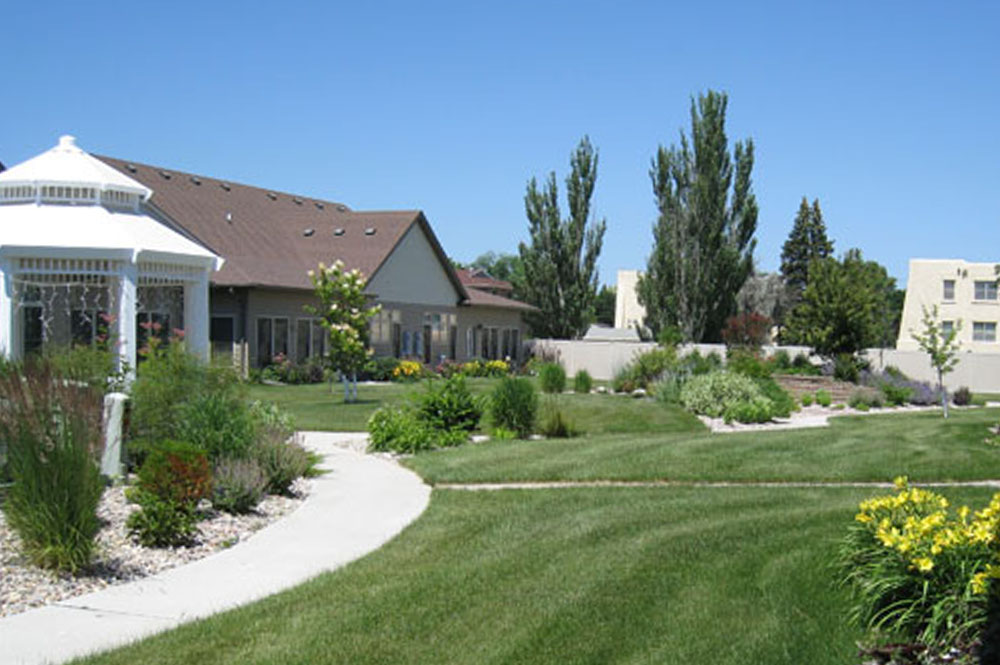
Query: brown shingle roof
(478, 279)
(486, 299)
(272, 238)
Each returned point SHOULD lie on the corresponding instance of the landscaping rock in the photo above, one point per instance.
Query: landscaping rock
(119, 559)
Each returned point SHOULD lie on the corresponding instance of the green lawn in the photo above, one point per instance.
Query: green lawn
(685, 576)
(315, 407)
(923, 446)
(602, 575)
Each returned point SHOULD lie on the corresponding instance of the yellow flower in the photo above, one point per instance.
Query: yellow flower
(900, 482)
(924, 564)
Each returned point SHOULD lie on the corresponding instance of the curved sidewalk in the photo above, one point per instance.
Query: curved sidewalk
(360, 504)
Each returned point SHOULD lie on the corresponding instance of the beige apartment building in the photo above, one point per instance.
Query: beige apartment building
(966, 296)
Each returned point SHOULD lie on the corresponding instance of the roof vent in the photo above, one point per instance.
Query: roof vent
(196, 180)
(338, 232)
(342, 208)
(272, 196)
(297, 200)
(370, 231)
(319, 205)
(165, 174)
(225, 185)
(229, 217)
(130, 167)
(308, 232)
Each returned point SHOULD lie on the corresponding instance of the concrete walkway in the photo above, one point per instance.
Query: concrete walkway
(355, 508)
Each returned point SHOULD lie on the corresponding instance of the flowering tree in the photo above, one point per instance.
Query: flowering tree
(344, 313)
(942, 347)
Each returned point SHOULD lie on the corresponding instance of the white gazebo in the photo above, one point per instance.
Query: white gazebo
(83, 255)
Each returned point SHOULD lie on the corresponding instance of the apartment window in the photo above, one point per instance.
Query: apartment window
(470, 342)
(272, 339)
(947, 327)
(984, 331)
(949, 289)
(986, 290)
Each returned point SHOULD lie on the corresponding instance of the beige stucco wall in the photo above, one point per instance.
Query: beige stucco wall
(413, 274)
(925, 288)
(628, 312)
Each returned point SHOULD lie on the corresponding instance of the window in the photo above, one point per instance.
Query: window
(272, 339)
(155, 324)
(310, 340)
(949, 289)
(515, 344)
(470, 342)
(986, 290)
(984, 331)
(947, 327)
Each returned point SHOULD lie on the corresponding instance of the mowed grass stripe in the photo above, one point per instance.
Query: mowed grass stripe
(615, 575)
(923, 446)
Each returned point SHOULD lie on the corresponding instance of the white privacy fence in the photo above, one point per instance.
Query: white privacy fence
(603, 359)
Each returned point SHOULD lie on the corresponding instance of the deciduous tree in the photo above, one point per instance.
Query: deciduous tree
(703, 240)
(345, 313)
(560, 263)
(941, 346)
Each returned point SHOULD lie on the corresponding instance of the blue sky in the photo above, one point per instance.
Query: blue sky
(887, 112)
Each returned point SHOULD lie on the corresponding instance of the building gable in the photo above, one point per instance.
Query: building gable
(413, 272)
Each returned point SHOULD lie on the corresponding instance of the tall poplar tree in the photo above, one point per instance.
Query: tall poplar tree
(703, 239)
(560, 264)
(806, 243)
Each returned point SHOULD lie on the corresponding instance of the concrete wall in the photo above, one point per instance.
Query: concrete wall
(925, 288)
(628, 312)
(979, 371)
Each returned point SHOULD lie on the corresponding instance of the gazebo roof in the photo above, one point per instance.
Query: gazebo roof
(67, 164)
(66, 203)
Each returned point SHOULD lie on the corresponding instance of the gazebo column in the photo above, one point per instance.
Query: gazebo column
(7, 318)
(125, 311)
(196, 319)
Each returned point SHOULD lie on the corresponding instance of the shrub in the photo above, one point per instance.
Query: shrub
(379, 368)
(864, 399)
(846, 368)
(503, 434)
(282, 463)
(962, 397)
(669, 337)
(727, 395)
(696, 364)
(52, 430)
(918, 572)
(896, 395)
(552, 378)
(220, 424)
(312, 370)
(747, 363)
(668, 388)
(448, 405)
(782, 404)
(582, 382)
(238, 485)
(644, 370)
(160, 522)
(398, 430)
(269, 417)
(514, 406)
(781, 361)
(823, 398)
(555, 425)
(807, 400)
(176, 473)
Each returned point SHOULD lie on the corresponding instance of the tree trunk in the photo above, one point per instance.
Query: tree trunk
(944, 396)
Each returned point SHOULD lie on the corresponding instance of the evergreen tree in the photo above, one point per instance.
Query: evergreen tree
(703, 239)
(604, 307)
(560, 264)
(806, 243)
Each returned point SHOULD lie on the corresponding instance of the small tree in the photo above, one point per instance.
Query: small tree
(941, 346)
(345, 314)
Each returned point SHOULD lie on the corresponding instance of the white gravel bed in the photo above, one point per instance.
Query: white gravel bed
(119, 559)
(807, 416)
